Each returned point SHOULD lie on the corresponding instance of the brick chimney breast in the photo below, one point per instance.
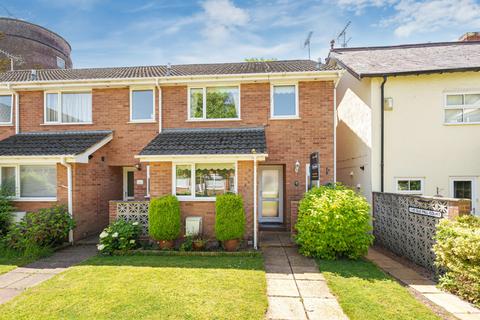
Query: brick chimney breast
(470, 36)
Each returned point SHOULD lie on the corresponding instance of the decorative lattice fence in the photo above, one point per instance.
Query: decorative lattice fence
(406, 224)
(132, 211)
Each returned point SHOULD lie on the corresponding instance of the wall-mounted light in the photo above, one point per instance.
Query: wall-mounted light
(297, 166)
(138, 166)
(362, 168)
(388, 104)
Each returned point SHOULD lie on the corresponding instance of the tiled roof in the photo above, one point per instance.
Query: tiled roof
(409, 59)
(207, 141)
(66, 143)
(163, 71)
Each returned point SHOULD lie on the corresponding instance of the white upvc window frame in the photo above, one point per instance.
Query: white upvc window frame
(272, 101)
(456, 107)
(417, 192)
(204, 93)
(59, 101)
(18, 197)
(2, 123)
(192, 165)
(131, 120)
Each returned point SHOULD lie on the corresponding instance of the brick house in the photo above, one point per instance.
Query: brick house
(94, 138)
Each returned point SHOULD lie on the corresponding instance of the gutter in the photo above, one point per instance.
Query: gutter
(70, 194)
(255, 222)
(17, 112)
(382, 134)
(157, 84)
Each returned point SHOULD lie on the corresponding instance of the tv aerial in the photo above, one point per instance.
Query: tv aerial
(307, 43)
(342, 36)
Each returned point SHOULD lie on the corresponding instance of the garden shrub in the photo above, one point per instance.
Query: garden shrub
(229, 217)
(119, 236)
(457, 251)
(164, 218)
(6, 210)
(45, 228)
(333, 221)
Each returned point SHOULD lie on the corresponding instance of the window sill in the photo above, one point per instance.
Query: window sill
(189, 199)
(285, 118)
(207, 120)
(67, 124)
(6, 124)
(34, 199)
(141, 121)
(461, 124)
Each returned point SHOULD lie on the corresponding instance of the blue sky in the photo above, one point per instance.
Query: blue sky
(146, 32)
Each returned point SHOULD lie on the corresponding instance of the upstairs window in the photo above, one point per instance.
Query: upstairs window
(410, 185)
(462, 108)
(142, 105)
(284, 101)
(6, 109)
(68, 107)
(214, 103)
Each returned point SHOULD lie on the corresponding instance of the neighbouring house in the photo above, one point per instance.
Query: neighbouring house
(99, 140)
(409, 117)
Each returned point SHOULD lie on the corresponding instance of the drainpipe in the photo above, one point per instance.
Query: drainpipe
(17, 112)
(335, 131)
(255, 245)
(159, 105)
(70, 194)
(382, 134)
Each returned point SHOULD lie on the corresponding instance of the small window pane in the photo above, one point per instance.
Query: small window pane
(284, 101)
(6, 109)
(472, 99)
(142, 105)
(462, 189)
(196, 103)
(222, 102)
(183, 180)
(453, 115)
(415, 185)
(76, 107)
(471, 115)
(455, 100)
(403, 185)
(52, 107)
(8, 181)
(214, 178)
(38, 181)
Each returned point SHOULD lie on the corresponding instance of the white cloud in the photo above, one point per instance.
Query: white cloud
(221, 17)
(359, 6)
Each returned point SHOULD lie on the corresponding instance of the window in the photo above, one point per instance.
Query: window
(462, 108)
(6, 109)
(214, 103)
(68, 107)
(142, 105)
(284, 101)
(60, 63)
(30, 181)
(410, 185)
(210, 180)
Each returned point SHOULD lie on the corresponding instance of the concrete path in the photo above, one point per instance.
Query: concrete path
(295, 287)
(427, 288)
(16, 281)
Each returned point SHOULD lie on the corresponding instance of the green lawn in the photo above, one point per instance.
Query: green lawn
(149, 287)
(10, 259)
(365, 292)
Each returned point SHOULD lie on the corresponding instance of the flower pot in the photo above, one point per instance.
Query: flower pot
(165, 244)
(231, 245)
(198, 245)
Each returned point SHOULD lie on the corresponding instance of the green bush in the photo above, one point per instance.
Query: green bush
(333, 222)
(119, 236)
(45, 228)
(229, 217)
(164, 218)
(6, 210)
(457, 251)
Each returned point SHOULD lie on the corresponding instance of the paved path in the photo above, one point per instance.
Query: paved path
(427, 288)
(16, 281)
(295, 287)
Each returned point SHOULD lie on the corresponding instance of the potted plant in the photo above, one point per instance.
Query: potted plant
(229, 220)
(164, 220)
(199, 243)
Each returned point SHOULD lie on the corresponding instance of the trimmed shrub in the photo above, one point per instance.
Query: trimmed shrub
(229, 217)
(457, 251)
(45, 228)
(6, 210)
(164, 218)
(333, 222)
(119, 236)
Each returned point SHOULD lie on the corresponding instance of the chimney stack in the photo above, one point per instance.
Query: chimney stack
(470, 36)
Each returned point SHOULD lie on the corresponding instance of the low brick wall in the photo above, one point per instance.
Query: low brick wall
(293, 216)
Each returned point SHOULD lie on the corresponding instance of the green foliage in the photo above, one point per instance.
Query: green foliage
(45, 228)
(119, 236)
(333, 221)
(164, 218)
(187, 244)
(229, 217)
(457, 251)
(6, 210)
(220, 105)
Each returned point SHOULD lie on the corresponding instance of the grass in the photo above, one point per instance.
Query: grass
(365, 292)
(149, 287)
(10, 259)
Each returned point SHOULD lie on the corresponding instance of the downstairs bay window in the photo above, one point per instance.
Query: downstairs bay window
(203, 181)
(29, 182)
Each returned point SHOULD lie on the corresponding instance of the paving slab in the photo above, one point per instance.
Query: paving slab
(282, 288)
(323, 309)
(7, 279)
(285, 308)
(8, 294)
(404, 274)
(451, 303)
(276, 260)
(467, 316)
(30, 281)
(314, 289)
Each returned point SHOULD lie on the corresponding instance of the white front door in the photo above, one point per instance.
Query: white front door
(270, 196)
(128, 184)
(464, 188)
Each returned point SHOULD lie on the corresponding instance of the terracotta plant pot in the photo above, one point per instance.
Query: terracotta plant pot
(198, 245)
(231, 245)
(165, 244)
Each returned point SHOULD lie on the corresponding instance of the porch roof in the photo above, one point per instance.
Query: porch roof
(208, 141)
(40, 144)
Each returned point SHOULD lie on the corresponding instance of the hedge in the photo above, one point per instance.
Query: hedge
(229, 217)
(164, 218)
